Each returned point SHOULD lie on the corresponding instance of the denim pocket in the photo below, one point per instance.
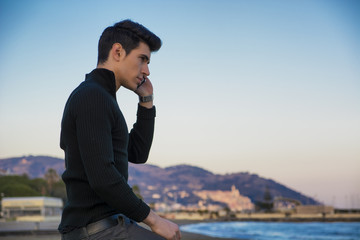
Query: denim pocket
(118, 232)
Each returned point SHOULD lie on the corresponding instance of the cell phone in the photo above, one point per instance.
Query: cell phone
(142, 82)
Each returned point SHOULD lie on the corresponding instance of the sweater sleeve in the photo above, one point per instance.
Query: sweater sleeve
(94, 121)
(141, 135)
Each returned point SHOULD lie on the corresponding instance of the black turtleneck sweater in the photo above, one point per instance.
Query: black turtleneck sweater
(98, 146)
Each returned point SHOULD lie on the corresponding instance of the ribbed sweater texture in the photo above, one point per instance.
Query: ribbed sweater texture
(98, 147)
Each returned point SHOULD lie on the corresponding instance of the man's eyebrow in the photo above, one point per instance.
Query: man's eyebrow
(146, 57)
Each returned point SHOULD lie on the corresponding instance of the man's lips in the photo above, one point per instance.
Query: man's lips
(141, 81)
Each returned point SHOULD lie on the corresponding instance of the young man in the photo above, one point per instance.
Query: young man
(98, 146)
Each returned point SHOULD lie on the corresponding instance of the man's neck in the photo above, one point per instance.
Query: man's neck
(110, 68)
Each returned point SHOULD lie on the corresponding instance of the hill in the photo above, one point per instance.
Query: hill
(33, 166)
(155, 184)
(172, 184)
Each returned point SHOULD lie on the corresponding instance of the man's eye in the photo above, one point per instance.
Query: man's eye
(144, 59)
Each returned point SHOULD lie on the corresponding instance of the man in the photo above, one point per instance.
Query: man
(98, 146)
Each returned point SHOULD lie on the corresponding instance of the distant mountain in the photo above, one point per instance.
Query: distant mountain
(33, 166)
(155, 181)
(168, 184)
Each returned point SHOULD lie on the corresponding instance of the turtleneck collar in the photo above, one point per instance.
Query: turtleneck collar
(105, 78)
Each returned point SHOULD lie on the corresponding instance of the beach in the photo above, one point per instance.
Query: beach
(47, 230)
(193, 236)
(185, 236)
(53, 235)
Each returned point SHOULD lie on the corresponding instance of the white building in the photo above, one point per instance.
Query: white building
(234, 200)
(32, 208)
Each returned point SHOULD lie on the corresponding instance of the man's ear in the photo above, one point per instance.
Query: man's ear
(117, 52)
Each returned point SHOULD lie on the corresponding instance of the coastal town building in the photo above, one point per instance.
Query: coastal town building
(281, 204)
(32, 208)
(314, 209)
(233, 199)
(4, 172)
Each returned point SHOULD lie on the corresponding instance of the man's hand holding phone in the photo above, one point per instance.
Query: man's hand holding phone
(142, 82)
(145, 92)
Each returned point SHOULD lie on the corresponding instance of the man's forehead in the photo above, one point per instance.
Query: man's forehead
(144, 50)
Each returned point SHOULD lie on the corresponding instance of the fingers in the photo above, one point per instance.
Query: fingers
(163, 227)
(177, 235)
(145, 88)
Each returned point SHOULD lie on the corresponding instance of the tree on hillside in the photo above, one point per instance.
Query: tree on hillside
(22, 186)
(17, 186)
(59, 190)
(23, 179)
(136, 190)
(267, 203)
(51, 177)
(39, 185)
(18, 190)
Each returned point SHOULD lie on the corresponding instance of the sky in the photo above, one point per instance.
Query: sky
(267, 87)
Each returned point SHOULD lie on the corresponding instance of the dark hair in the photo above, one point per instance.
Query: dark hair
(128, 34)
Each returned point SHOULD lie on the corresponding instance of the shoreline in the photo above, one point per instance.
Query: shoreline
(48, 230)
(196, 236)
(265, 217)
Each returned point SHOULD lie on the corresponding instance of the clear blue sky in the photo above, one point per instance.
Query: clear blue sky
(269, 87)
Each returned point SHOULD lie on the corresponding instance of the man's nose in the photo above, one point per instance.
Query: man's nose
(146, 70)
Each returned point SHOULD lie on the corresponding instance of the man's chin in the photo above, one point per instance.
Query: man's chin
(131, 88)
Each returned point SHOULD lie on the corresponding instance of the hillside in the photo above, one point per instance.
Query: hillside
(184, 178)
(168, 184)
(33, 166)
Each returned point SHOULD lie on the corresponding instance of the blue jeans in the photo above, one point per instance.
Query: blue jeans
(126, 229)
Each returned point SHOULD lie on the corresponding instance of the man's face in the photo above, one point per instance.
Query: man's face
(134, 67)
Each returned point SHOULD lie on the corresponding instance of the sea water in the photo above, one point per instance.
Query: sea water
(278, 231)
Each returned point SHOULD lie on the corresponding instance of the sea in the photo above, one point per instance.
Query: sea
(278, 230)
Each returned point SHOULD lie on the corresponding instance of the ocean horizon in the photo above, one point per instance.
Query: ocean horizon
(278, 230)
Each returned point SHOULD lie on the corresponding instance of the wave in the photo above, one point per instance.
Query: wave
(278, 231)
